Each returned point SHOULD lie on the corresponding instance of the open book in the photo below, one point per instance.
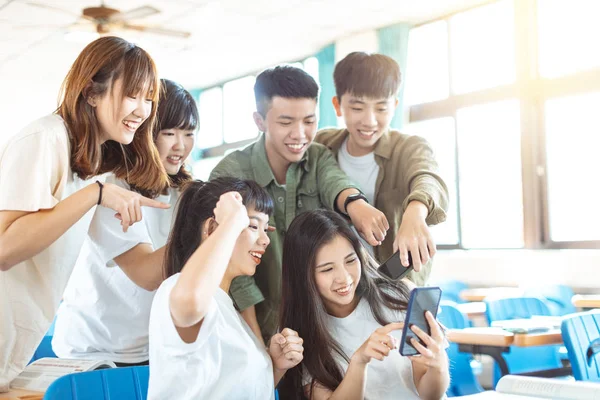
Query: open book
(513, 387)
(40, 374)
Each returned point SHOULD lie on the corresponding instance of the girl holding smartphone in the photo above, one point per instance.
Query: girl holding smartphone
(350, 318)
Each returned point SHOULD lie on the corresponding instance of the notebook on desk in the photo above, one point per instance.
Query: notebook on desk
(535, 324)
(513, 387)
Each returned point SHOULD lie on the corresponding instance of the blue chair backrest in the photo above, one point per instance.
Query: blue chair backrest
(462, 379)
(581, 334)
(523, 359)
(114, 383)
(451, 290)
(556, 297)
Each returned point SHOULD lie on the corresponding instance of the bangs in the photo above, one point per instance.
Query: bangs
(178, 111)
(371, 83)
(140, 75)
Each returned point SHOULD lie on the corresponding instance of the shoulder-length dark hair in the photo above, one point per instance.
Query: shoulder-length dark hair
(195, 205)
(302, 308)
(94, 72)
(176, 110)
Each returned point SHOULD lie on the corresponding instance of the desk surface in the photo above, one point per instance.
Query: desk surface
(586, 300)
(482, 336)
(479, 294)
(473, 309)
(18, 394)
(489, 336)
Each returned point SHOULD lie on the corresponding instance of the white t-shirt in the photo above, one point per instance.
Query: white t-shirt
(225, 362)
(363, 170)
(390, 379)
(104, 315)
(35, 174)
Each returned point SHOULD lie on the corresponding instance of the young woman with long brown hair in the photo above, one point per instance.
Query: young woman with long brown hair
(350, 318)
(105, 310)
(47, 186)
(200, 346)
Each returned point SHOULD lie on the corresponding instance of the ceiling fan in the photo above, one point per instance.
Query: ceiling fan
(106, 19)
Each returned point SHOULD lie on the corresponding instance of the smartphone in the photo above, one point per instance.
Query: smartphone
(393, 268)
(421, 299)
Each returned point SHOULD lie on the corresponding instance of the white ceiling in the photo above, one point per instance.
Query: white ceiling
(230, 38)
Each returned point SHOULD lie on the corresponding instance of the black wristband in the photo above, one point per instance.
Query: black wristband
(351, 198)
(101, 186)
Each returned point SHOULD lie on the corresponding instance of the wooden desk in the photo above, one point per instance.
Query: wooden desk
(586, 300)
(18, 394)
(479, 294)
(496, 341)
(481, 336)
(475, 309)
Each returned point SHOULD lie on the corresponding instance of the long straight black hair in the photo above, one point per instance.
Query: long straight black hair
(195, 205)
(302, 308)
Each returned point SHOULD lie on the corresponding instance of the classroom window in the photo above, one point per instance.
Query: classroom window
(238, 107)
(427, 71)
(523, 90)
(440, 133)
(572, 145)
(482, 47)
(489, 145)
(210, 108)
(568, 36)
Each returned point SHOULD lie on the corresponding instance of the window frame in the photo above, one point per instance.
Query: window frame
(532, 91)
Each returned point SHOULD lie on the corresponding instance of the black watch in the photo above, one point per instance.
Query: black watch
(351, 198)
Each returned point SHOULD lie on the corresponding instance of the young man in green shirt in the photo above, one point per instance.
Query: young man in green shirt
(298, 175)
(397, 172)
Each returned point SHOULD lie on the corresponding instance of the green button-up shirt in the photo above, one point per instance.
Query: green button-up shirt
(314, 182)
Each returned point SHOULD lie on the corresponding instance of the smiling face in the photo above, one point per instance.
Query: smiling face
(366, 120)
(250, 245)
(337, 274)
(119, 116)
(174, 146)
(290, 125)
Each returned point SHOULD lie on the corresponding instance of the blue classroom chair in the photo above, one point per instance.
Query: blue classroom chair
(556, 297)
(581, 334)
(523, 359)
(462, 379)
(113, 383)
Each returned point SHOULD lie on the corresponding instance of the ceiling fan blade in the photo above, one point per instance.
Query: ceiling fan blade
(136, 13)
(157, 30)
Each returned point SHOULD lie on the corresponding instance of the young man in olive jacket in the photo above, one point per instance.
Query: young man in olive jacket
(398, 173)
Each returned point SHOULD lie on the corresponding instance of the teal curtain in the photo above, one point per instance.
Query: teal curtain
(326, 58)
(393, 42)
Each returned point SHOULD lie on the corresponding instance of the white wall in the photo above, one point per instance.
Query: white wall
(362, 41)
(579, 269)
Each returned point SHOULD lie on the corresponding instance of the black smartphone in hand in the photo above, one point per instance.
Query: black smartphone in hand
(422, 299)
(393, 268)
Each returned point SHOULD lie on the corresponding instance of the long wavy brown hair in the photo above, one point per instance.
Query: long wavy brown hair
(303, 310)
(177, 109)
(94, 73)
